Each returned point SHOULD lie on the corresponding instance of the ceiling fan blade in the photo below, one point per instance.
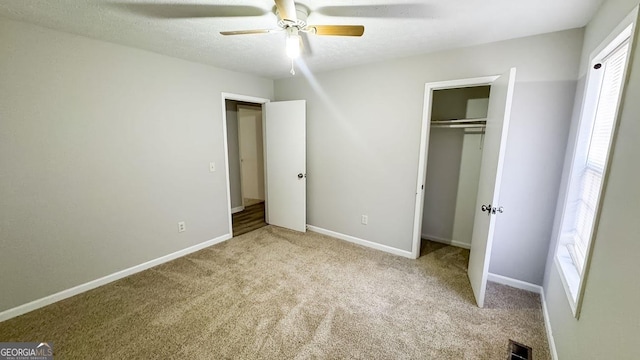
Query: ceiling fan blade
(287, 10)
(248, 32)
(337, 30)
(400, 11)
(177, 11)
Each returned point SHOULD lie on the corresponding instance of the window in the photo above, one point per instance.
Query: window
(593, 143)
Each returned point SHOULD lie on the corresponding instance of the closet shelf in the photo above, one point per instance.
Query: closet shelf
(459, 126)
(460, 123)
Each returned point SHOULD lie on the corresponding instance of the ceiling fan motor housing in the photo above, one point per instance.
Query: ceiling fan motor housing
(302, 13)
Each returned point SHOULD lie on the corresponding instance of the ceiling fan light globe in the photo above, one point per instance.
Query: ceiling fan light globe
(293, 46)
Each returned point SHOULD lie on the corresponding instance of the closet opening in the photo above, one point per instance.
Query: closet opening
(452, 140)
(458, 120)
(245, 149)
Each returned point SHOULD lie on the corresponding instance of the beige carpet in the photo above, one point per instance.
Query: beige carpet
(276, 294)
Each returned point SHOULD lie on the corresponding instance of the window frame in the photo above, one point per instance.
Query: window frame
(574, 279)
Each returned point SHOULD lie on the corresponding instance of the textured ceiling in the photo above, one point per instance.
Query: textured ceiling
(190, 29)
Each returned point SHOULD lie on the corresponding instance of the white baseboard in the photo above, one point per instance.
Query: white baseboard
(237, 209)
(538, 290)
(518, 284)
(547, 325)
(47, 300)
(362, 242)
(456, 243)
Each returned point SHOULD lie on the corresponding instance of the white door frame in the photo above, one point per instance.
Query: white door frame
(424, 146)
(244, 98)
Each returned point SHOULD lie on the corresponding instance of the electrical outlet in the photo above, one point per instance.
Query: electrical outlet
(182, 226)
(212, 167)
(365, 220)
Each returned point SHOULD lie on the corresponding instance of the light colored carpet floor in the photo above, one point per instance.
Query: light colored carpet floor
(277, 294)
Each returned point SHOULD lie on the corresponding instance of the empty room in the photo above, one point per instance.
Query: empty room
(280, 179)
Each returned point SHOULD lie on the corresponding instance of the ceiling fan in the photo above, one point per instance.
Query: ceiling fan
(292, 18)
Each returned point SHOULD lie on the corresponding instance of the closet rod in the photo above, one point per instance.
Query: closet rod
(458, 126)
(460, 121)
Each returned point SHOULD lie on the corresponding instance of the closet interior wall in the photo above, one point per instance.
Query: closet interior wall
(233, 149)
(453, 166)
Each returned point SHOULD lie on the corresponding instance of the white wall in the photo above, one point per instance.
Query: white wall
(364, 131)
(530, 182)
(609, 322)
(468, 182)
(233, 147)
(441, 184)
(103, 149)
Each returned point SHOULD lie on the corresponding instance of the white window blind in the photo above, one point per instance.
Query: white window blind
(591, 173)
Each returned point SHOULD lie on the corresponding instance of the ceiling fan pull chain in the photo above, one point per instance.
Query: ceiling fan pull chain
(293, 72)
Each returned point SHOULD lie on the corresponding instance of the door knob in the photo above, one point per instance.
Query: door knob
(300, 176)
(492, 209)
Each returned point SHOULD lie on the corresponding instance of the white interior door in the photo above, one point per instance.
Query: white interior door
(495, 140)
(285, 160)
